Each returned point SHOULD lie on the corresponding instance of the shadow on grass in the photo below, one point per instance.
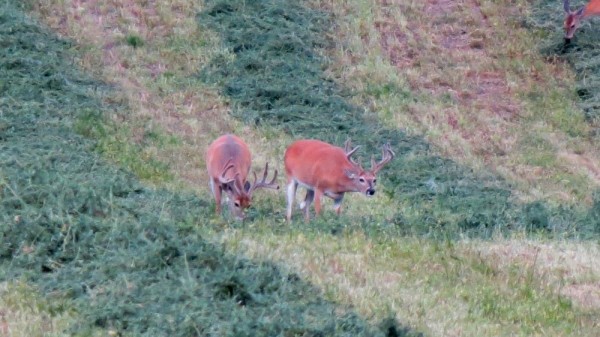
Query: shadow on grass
(131, 259)
(276, 78)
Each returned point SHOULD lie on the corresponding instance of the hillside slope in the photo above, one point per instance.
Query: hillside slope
(126, 259)
(471, 235)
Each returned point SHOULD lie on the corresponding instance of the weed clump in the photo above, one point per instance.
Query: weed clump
(134, 41)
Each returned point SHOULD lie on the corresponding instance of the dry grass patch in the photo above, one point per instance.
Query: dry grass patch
(23, 313)
(443, 289)
(151, 51)
(570, 267)
(478, 88)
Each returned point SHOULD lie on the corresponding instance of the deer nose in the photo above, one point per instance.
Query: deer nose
(370, 192)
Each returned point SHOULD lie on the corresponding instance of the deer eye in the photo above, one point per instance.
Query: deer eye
(362, 180)
(374, 181)
(237, 204)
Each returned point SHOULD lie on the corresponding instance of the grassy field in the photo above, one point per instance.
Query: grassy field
(488, 220)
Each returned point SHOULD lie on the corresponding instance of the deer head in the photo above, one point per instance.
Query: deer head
(365, 180)
(240, 192)
(572, 19)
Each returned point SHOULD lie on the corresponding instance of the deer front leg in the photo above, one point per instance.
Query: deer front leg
(291, 195)
(216, 189)
(337, 203)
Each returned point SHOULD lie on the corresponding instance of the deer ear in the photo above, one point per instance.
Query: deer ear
(350, 174)
(247, 186)
(580, 11)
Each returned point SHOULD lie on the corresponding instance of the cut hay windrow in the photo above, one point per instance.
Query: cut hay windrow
(274, 75)
(130, 259)
(582, 52)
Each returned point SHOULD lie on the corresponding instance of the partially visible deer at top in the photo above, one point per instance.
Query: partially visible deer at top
(228, 162)
(573, 18)
(327, 170)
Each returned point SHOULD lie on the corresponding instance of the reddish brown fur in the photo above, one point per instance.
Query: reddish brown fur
(324, 169)
(229, 150)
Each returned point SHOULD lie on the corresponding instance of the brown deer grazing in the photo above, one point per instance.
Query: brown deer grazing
(325, 169)
(573, 18)
(228, 162)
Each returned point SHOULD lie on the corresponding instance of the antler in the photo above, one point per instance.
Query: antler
(387, 155)
(228, 165)
(349, 152)
(262, 183)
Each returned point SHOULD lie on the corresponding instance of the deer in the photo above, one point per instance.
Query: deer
(573, 18)
(228, 162)
(327, 170)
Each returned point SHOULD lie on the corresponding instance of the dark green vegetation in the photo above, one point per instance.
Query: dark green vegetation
(582, 52)
(133, 259)
(277, 79)
(130, 258)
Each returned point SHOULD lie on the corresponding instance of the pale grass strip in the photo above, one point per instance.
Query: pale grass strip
(406, 275)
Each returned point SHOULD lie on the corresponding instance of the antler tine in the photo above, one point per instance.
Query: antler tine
(349, 152)
(387, 155)
(262, 183)
(567, 6)
(228, 165)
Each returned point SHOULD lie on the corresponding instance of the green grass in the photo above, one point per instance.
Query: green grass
(121, 257)
(113, 143)
(441, 288)
(477, 123)
(26, 313)
(134, 40)
(305, 102)
(403, 255)
(582, 54)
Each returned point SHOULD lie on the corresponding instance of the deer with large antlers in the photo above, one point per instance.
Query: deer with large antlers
(228, 162)
(327, 170)
(573, 18)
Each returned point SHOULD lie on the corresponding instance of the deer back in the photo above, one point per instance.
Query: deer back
(225, 150)
(313, 162)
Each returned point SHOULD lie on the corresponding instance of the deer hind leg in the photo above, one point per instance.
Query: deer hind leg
(318, 195)
(305, 205)
(291, 195)
(337, 203)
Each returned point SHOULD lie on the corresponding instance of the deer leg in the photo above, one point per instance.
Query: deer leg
(317, 197)
(337, 203)
(305, 205)
(308, 199)
(291, 195)
(216, 190)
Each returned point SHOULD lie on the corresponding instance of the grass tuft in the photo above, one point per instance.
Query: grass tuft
(134, 41)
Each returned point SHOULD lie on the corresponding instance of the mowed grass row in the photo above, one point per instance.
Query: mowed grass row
(165, 77)
(87, 250)
(163, 68)
(274, 71)
(581, 54)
